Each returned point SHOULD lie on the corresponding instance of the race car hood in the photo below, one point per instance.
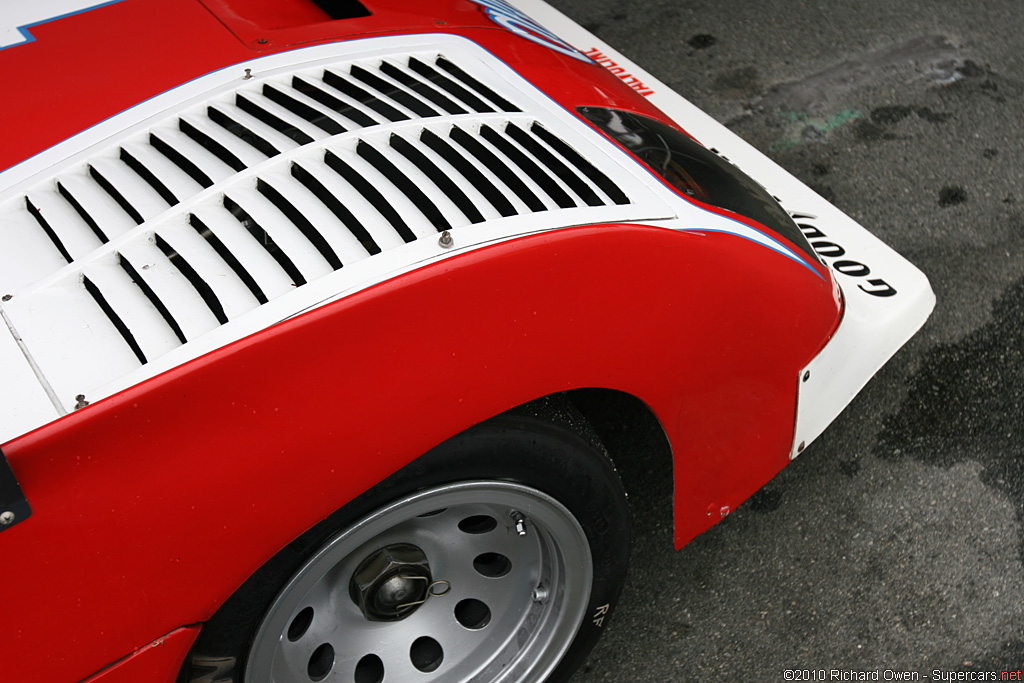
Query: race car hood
(174, 227)
(69, 64)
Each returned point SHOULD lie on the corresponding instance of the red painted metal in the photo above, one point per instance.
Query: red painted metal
(75, 73)
(152, 506)
(157, 662)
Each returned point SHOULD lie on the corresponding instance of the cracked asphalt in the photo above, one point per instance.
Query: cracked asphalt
(895, 542)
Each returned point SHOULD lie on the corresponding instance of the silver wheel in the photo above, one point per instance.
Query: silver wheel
(482, 581)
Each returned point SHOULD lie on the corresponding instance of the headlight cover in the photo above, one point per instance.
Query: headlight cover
(695, 171)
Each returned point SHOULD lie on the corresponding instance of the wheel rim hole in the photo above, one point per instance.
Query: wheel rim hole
(426, 654)
(492, 565)
(478, 524)
(300, 624)
(320, 662)
(472, 614)
(370, 669)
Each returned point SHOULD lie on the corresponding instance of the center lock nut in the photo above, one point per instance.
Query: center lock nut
(391, 583)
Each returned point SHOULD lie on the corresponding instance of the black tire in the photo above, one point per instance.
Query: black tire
(551, 470)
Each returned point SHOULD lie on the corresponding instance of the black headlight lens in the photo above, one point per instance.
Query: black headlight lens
(695, 171)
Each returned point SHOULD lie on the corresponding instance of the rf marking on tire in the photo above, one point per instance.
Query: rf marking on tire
(600, 614)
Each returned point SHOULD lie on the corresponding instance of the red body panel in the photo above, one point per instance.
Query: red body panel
(138, 496)
(77, 72)
(157, 662)
(151, 507)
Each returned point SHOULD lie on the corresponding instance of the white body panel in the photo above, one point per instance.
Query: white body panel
(873, 327)
(65, 349)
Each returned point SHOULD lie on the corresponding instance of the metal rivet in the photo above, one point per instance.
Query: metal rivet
(262, 41)
(7, 518)
(80, 401)
(7, 297)
(248, 75)
(446, 240)
(800, 448)
(807, 375)
(540, 593)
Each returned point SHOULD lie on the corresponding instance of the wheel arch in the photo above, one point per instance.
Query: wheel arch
(222, 461)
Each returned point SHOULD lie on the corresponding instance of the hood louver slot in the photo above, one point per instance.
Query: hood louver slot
(200, 221)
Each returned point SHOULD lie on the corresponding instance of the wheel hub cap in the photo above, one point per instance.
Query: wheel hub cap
(391, 583)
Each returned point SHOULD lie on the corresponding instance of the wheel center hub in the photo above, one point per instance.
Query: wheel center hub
(391, 583)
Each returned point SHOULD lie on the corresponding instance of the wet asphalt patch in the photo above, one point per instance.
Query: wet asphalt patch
(966, 404)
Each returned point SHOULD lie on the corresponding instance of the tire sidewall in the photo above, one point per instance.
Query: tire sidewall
(514, 448)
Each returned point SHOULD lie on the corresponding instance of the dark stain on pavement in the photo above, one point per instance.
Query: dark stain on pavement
(766, 500)
(869, 131)
(702, 41)
(741, 83)
(966, 404)
(951, 195)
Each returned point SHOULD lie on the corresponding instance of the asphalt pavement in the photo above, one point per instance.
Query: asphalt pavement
(893, 546)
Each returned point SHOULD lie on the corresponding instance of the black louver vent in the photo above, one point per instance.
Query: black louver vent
(254, 126)
(284, 213)
(455, 153)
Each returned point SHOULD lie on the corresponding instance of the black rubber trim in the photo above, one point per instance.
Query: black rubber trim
(12, 499)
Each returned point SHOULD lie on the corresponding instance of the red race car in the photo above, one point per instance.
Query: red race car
(301, 299)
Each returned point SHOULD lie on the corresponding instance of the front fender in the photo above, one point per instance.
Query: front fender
(152, 506)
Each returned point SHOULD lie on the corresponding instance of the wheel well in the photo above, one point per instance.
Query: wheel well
(628, 431)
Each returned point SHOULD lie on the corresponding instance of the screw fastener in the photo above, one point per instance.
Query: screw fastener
(446, 240)
(7, 518)
(80, 401)
(7, 297)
